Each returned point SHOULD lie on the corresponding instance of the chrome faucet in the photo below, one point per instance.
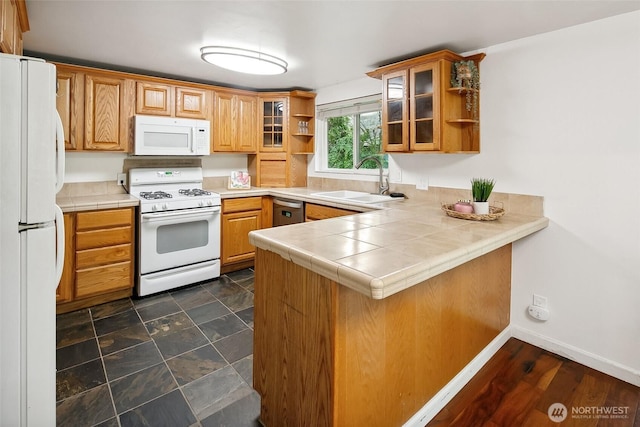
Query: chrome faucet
(382, 187)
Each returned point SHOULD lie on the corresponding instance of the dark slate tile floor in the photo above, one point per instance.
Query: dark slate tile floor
(179, 358)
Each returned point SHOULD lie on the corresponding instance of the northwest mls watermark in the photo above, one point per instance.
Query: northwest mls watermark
(557, 412)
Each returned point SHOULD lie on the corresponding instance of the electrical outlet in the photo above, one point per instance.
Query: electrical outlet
(395, 175)
(423, 183)
(121, 178)
(539, 301)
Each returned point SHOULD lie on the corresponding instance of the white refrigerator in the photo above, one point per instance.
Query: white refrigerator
(31, 239)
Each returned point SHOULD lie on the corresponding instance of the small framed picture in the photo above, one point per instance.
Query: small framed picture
(239, 180)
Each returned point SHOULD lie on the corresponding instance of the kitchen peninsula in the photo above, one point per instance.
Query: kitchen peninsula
(360, 320)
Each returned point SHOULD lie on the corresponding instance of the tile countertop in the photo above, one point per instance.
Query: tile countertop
(388, 247)
(393, 246)
(103, 201)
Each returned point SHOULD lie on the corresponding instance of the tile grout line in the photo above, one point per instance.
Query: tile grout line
(104, 369)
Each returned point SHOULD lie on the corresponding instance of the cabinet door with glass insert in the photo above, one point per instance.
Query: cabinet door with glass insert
(425, 107)
(274, 112)
(395, 135)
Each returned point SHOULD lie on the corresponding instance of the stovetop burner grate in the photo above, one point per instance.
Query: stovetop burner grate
(194, 192)
(155, 195)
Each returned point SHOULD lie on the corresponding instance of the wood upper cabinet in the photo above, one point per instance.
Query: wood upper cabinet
(302, 113)
(108, 113)
(70, 106)
(421, 112)
(13, 22)
(161, 99)
(281, 160)
(193, 103)
(235, 126)
(154, 99)
(274, 123)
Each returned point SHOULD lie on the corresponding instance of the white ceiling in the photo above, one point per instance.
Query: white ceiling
(325, 42)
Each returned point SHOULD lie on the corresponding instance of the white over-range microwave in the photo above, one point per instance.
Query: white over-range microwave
(170, 136)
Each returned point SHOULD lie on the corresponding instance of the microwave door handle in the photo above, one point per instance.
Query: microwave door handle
(193, 139)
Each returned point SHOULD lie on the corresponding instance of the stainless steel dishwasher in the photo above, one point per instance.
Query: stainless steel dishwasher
(287, 212)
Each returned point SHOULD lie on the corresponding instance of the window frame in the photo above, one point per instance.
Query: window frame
(353, 107)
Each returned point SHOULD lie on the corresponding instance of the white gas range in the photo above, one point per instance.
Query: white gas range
(179, 228)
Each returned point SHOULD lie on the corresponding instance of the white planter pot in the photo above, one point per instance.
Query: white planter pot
(481, 208)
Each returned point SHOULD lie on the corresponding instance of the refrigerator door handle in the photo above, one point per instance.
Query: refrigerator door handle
(59, 153)
(59, 244)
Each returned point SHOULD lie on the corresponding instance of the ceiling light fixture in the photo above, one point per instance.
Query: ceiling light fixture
(243, 60)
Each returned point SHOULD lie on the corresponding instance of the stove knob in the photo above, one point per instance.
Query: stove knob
(201, 203)
(165, 206)
(155, 207)
(209, 202)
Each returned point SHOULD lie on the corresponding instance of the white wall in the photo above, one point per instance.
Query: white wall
(92, 167)
(560, 118)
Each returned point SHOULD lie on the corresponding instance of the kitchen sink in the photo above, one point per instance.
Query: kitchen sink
(355, 196)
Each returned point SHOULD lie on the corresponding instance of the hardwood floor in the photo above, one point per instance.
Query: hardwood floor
(519, 384)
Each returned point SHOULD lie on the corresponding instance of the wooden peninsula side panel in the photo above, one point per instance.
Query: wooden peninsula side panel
(325, 355)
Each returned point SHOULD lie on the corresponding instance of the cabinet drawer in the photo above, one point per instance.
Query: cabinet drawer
(104, 219)
(101, 256)
(316, 212)
(101, 238)
(242, 204)
(93, 281)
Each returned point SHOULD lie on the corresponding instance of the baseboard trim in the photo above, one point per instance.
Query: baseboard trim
(583, 357)
(453, 387)
(440, 400)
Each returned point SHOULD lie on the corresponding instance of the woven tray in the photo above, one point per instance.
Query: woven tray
(494, 213)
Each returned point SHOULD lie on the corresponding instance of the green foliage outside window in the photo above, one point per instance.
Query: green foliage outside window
(341, 140)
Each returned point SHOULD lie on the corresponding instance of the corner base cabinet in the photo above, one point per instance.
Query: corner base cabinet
(99, 258)
(422, 112)
(355, 361)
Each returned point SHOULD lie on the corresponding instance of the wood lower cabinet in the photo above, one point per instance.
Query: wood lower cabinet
(239, 217)
(64, 291)
(313, 212)
(99, 258)
(354, 361)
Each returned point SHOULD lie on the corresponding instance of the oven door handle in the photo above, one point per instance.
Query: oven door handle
(190, 214)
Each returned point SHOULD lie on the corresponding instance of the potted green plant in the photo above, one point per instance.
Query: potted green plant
(481, 189)
(466, 76)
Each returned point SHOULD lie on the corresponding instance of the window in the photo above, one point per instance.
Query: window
(348, 132)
